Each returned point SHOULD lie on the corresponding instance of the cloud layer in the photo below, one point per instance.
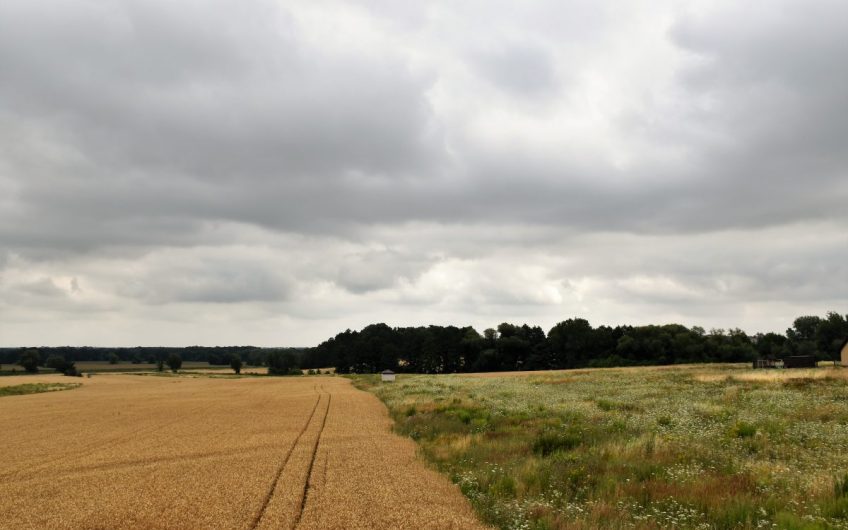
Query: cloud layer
(272, 173)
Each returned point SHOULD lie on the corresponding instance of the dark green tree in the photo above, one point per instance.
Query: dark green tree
(282, 362)
(803, 328)
(113, 358)
(830, 333)
(235, 363)
(174, 362)
(30, 359)
(57, 362)
(71, 370)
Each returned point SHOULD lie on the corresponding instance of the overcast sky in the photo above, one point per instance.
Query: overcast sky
(271, 173)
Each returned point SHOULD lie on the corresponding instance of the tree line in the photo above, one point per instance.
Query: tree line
(215, 355)
(573, 343)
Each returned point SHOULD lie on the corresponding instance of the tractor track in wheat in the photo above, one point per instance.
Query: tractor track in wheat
(279, 471)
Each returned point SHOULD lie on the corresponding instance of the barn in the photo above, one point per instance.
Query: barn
(799, 361)
(844, 353)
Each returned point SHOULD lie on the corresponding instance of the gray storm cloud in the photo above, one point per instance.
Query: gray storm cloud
(275, 172)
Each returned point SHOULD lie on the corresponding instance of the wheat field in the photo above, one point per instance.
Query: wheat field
(126, 451)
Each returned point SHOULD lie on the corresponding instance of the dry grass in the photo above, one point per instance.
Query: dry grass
(155, 452)
(775, 375)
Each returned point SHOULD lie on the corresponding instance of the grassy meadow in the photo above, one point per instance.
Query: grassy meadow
(719, 446)
(34, 388)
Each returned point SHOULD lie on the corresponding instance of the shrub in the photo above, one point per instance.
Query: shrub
(790, 521)
(607, 406)
(743, 430)
(113, 358)
(551, 442)
(840, 486)
(739, 513)
(503, 487)
(836, 508)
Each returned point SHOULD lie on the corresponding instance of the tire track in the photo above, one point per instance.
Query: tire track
(307, 485)
(279, 472)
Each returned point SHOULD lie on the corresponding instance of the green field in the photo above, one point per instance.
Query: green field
(35, 388)
(682, 447)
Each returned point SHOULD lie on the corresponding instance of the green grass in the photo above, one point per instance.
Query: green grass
(35, 388)
(684, 447)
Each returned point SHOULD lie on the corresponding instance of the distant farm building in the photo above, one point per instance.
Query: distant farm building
(768, 363)
(793, 361)
(800, 361)
(387, 376)
(844, 354)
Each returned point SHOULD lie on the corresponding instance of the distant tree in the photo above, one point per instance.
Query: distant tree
(71, 370)
(572, 343)
(160, 365)
(830, 333)
(282, 363)
(254, 358)
(113, 358)
(506, 330)
(57, 362)
(235, 363)
(30, 359)
(770, 345)
(803, 328)
(174, 362)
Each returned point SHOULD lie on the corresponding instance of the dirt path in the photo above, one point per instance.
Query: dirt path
(160, 452)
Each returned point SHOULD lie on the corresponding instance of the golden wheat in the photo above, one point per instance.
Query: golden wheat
(128, 451)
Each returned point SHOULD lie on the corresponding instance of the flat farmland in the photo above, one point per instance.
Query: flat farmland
(126, 451)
